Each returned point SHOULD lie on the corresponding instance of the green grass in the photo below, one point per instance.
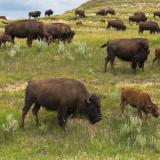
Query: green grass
(83, 59)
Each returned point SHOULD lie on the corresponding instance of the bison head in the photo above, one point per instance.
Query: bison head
(153, 109)
(93, 110)
(7, 38)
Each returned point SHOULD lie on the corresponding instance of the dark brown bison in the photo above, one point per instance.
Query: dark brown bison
(156, 14)
(30, 29)
(80, 13)
(59, 32)
(141, 14)
(48, 13)
(157, 56)
(68, 97)
(110, 11)
(139, 100)
(151, 26)
(3, 18)
(116, 23)
(4, 38)
(132, 50)
(137, 19)
(34, 14)
(101, 12)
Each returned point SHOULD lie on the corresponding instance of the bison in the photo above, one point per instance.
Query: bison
(80, 13)
(60, 32)
(4, 38)
(110, 11)
(30, 29)
(134, 50)
(157, 56)
(137, 19)
(141, 14)
(101, 12)
(116, 23)
(34, 14)
(48, 13)
(151, 26)
(68, 97)
(156, 14)
(139, 100)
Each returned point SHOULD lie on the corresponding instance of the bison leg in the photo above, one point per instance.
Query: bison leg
(62, 118)
(12, 39)
(123, 105)
(134, 66)
(35, 113)
(29, 42)
(106, 62)
(139, 111)
(24, 112)
(141, 65)
(154, 60)
(112, 64)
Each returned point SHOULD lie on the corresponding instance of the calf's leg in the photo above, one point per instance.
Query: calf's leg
(106, 62)
(62, 118)
(35, 113)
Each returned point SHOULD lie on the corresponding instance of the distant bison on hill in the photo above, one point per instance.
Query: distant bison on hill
(34, 14)
(80, 13)
(59, 32)
(131, 50)
(151, 26)
(137, 19)
(117, 23)
(110, 11)
(101, 12)
(68, 97)
(48, 13)
(156, 14)
(104, 12)
(30, 29)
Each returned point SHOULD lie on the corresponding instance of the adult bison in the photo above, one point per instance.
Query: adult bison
(131, 50)
(80, 13)
(59, 32)
(30, 29)
(48, 13)
(156, 14)
(139, 100)
(151, 26)
(116, 23)
(137, 19)
(66, 96)
(34, 14)
(101, 12)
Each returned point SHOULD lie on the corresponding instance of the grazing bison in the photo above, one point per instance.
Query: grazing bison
(101, 12)
(30, 29)
(80, 13)
(34, 14)
(110, 11)
(141, 14)
(151, 26)
(156, 14)
(60, 32)
(131, 50)
(3, 18)
(157, 56)
(139, 100)
(116, 23)
(66, 96)
(4, 38)
(48, 13)
(137, 19)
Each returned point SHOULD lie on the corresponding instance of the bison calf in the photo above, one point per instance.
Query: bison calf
(4, 38)
(157, 56)
(118, 24)
(66, 96)
(139, 100)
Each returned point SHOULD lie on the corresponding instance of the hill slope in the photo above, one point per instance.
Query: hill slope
(122, 5)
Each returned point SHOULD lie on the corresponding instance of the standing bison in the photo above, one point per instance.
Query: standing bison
(65, 96)
(131, 50)
(101, 12)
(137, 19)
(151, 26)
(105, 12)
(139, 100)
(156, 14)
(80, 13)
(59, 32)
(116, 23)
(48, 13)
(34, 14)
(30, 29)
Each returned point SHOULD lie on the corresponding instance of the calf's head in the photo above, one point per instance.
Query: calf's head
(7, 38)
(153, 109)
(93, 109)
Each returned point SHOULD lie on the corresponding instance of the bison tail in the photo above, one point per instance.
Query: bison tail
(104, 45)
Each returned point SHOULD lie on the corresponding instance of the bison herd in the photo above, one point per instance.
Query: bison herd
(70, 97)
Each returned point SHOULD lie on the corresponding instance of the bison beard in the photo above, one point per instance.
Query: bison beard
(66, 96)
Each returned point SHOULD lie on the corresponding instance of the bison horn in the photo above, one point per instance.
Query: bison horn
(88, 100)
